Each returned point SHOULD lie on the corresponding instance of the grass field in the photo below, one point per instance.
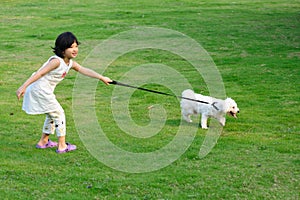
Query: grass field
(254, 44)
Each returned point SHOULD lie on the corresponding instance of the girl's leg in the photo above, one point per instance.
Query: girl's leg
(47, 130)
(60, 127)
(63, 147)
(44, 139)
(59, 120)
(61, 143)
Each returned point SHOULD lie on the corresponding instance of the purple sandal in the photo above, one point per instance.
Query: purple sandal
(50, 144)
(70, 147)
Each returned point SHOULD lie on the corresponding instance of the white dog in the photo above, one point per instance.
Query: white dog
(217, 108)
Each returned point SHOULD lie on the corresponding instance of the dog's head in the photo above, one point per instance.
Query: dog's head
(231, 107)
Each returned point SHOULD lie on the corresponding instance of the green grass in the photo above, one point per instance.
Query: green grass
(255, 45)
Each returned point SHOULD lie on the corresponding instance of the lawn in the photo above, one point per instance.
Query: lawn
(255, 46)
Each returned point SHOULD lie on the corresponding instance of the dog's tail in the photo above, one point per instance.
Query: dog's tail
(188, 94)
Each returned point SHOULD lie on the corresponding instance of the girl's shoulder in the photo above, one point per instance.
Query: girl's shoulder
(54, 62)
(55, 59)
(75, 66)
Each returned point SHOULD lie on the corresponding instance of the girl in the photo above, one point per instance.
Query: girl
(38, 91)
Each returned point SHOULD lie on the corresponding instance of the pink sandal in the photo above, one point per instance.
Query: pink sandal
(70, 147)
(50, 144)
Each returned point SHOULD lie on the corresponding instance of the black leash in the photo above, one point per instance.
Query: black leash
(163, 93)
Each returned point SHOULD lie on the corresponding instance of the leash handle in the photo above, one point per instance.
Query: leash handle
(163, 93)
(113, 82)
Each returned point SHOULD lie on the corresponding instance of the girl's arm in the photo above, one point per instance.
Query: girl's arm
(91, 73)
(53, 64)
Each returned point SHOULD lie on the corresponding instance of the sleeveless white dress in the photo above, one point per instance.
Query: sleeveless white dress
(39, 97)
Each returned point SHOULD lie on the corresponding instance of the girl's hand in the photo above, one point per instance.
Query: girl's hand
(20, 92)
(106, 80)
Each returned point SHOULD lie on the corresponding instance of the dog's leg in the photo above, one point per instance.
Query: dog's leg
(204, 121)
(222, 121)
(187, 118)
(186, 114)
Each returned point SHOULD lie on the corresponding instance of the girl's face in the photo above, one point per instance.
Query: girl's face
(72, 51)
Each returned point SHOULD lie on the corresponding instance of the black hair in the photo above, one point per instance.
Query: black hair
(63, 42)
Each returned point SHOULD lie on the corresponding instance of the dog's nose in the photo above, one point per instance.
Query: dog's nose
(238, 111)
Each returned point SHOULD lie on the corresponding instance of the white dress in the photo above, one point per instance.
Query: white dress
(39, 97)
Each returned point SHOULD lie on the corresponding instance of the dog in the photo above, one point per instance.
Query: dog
(216, 108)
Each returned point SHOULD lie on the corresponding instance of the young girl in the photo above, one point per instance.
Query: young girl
(38, 91)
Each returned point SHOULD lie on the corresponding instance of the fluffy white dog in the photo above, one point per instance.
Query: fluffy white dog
(217, 108)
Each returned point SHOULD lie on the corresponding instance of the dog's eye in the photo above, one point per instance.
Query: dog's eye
(233, 107)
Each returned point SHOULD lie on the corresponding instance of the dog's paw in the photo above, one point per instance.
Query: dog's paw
(187, 119)
(222, 124)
